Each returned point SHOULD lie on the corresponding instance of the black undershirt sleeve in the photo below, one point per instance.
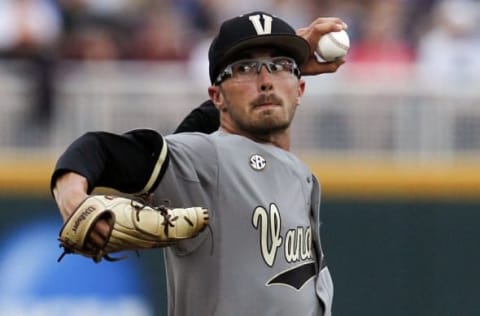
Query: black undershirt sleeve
(204, 119)
(122, 162)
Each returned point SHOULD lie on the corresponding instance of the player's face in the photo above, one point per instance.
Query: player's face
(259, 102)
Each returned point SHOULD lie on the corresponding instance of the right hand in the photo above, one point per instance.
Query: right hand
(312, 34)
(70, 190)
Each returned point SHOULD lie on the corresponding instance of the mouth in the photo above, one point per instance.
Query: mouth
(266, 102)
(266, 105)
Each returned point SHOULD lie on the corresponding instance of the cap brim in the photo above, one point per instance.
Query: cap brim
(295, 46)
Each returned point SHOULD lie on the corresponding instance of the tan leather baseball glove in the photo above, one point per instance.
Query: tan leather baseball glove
(134, 226)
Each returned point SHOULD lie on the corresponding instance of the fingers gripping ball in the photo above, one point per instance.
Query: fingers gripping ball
(133, 226)
(333, 45)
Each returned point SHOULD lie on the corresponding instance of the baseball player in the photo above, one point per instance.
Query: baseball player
(262, 253)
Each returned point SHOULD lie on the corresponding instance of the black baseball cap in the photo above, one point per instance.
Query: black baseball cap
(256, 29)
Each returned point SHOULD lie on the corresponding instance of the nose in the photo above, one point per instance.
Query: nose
(264, 79)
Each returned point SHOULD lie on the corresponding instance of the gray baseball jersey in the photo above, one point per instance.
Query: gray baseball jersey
(262, 255)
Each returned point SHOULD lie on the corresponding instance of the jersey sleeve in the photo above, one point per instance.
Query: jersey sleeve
(133, 162)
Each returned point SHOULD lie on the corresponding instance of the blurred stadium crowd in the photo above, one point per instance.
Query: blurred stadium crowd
(394, 31)
(439, 37)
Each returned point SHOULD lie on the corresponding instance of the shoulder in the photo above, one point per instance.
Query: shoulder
(192, 146)
(198, 139)
(190, 139)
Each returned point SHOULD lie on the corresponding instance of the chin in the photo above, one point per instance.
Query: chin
(268, 126)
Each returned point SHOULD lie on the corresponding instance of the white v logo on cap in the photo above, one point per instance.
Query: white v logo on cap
(262, 29)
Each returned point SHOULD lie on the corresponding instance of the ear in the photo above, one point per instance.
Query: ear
(300, 91)
(217, 97)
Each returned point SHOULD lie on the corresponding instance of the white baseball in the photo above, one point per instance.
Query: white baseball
(333, 45)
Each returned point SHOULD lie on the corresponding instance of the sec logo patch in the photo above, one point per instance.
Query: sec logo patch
(257, 162)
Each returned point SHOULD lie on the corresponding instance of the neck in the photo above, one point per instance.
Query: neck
(280, 139)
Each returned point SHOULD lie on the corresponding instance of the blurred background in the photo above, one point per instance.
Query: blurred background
(394, 137)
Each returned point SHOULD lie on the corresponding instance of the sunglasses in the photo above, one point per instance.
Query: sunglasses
(248, 69)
